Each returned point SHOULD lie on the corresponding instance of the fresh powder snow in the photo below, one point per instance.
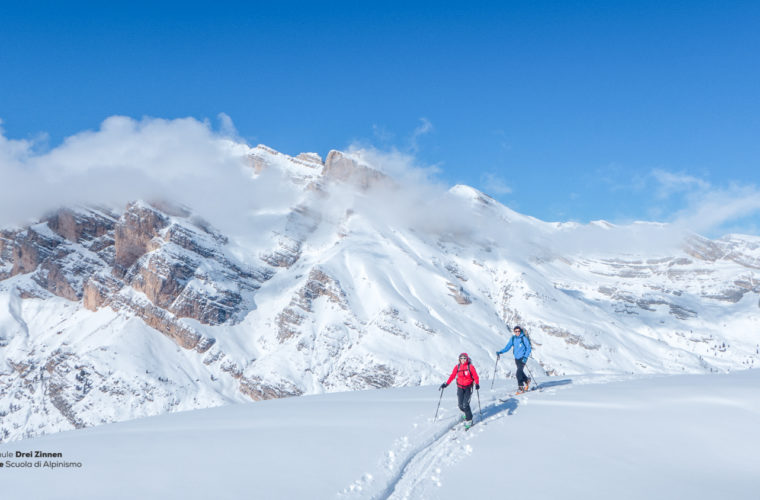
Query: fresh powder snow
(578, 437)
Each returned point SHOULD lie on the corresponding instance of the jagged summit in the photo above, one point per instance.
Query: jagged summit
(112, 313)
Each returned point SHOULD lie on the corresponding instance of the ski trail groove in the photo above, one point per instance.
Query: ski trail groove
(426, 458)
(423, 465)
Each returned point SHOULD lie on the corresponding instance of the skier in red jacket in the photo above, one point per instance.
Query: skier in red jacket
(465, 374)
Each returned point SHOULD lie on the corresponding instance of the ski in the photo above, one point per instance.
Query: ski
(516, 393)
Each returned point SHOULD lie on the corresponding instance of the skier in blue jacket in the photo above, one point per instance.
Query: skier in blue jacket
(521, 345)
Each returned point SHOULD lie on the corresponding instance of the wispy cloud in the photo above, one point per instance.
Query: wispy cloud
(400, 165)
(703, 207)
(424, 128)
(387, 139)
(382, 134)
(494, 184)
(712, 211)
(669, 182)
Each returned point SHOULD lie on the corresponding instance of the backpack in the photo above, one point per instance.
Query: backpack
(530, 344)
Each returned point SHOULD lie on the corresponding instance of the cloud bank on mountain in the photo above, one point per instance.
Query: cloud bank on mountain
(193, 163)
(183, 160)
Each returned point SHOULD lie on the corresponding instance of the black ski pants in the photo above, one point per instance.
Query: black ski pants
(463, 399)
(521, 377)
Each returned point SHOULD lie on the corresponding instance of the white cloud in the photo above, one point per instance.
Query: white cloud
(182, 160)
(494, 184)
(227, 128)
(397, 164)
(424, 128)
(187, 161)
(417, 200)
(669, 183)
(704, 208)
(421, 201)
(713, 211)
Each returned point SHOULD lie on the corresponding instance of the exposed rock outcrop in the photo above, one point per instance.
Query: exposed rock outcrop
(175, 261)
(31, 247)
(256, 389)
(459, 293)
(133, 234)
(319, 284)
(81, 226)
(343, 168)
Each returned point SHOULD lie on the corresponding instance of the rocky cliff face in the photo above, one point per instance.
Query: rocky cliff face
(342, 168)
(177, 265)
(108, 314)
(143, 263)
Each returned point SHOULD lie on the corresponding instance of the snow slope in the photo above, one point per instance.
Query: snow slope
(582, 437)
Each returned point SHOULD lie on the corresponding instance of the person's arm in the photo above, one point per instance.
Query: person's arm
(506, 347)
(451, 377)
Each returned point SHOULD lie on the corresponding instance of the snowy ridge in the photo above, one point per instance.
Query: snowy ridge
(118, 313)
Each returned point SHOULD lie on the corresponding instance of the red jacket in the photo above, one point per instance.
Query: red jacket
(465, 375)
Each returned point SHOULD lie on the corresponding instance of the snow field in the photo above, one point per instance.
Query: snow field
(691, 436)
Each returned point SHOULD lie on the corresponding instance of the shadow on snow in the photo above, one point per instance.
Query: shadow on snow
(511, 404)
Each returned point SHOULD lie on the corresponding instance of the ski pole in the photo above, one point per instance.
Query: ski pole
(531, 376)
(479, 408)
(439, 405)
(494, 371)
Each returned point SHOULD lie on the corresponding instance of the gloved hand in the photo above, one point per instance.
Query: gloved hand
(443, 386)
(498, 355)
(525, 360)
(477, 387)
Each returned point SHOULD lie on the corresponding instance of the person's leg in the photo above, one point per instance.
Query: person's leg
(460, 398)
(521, 377)
(466, 401)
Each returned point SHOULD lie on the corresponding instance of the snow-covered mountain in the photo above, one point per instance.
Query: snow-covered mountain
(360, 281)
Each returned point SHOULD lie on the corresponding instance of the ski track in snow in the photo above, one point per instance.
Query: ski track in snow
(423, 465)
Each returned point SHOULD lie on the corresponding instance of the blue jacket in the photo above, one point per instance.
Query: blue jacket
(521, 345)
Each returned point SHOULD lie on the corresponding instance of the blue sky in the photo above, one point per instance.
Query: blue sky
(561, 110)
